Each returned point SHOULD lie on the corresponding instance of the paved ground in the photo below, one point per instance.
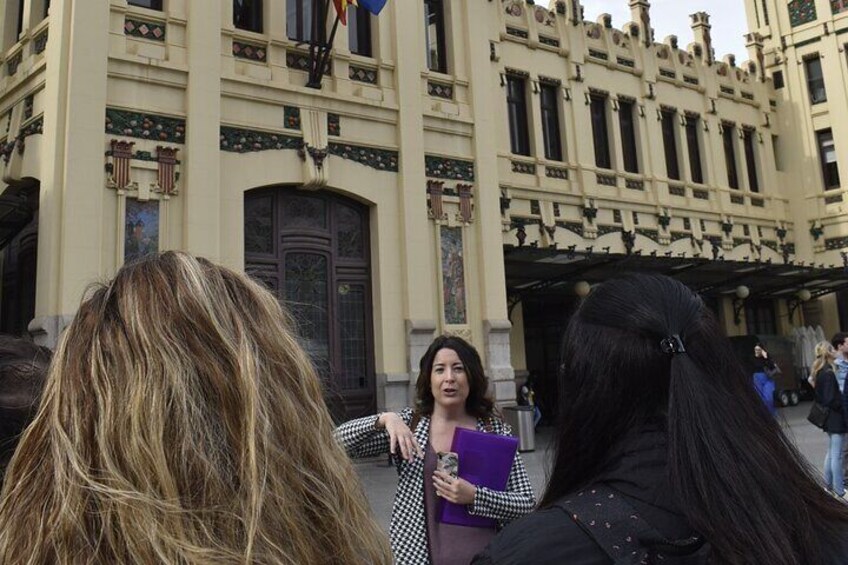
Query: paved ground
(380, 480)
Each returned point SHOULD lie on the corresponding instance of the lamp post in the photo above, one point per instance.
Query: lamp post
(803, 295)
(742, 292)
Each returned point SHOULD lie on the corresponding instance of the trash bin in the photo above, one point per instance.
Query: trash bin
(520, 418)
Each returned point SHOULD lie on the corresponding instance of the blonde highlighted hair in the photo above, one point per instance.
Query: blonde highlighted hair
(182, 423)
(825, 354)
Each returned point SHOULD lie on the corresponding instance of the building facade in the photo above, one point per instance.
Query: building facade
(466, 166)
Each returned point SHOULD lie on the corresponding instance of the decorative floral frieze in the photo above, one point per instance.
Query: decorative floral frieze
(362, 74)
(154, 31)
(770, 244)
(291, 117)
(334, 125)
(13, 63)
(651, 234)
(39, 44)
(239, 140)
(447, 168)
(573, 227)
(678, 235)
(380, 159)
(604, 230)
(801, 12)
(6, 149)
(35, 127)
(29, 102)
(440, 90)
(249, 51)
(523, 168)
(832, 243)
(145, 126)
(606, 180)
(737, 199)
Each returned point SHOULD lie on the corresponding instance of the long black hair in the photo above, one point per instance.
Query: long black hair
(735, 476)
(478, 403)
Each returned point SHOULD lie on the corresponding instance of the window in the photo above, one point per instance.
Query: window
(628, 136)
(765, 12)
(20, 25)
(600, 133)
(299, 24)
(549, 96)
(152, 4)
(730, 155)
(434, 18)
(672, 167)
(751, 159)
(247, 15)
(359, 31)
(46, 7)
(692, 144)
(827, 154)
(778, 157)
(777, 78)
(815, 80)
(759, 317)
(516, 102)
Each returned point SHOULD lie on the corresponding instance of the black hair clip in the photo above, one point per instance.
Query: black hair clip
(672, 345)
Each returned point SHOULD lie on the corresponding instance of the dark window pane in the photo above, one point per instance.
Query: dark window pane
(730, 156)
(259, 225)
(815, 80)
(760, 318)
(247, 15)
(352, 336)
(670, 145)
(628, 136)
(299, 20)
(152, 4)
(777, 77)
(351, 239)
(20, 24)
(600, 133)
(694, 148)
(306, 278)
(827, 154)
(750, 159)
(359, 31)
(550, 122)
(434, 18)
(516, 101)
(304, 212)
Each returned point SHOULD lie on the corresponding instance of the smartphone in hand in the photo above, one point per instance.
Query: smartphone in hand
(448, 462)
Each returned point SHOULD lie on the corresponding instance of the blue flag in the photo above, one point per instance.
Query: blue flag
(373, 6)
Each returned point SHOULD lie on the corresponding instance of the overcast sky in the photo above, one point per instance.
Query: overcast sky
(671, 17)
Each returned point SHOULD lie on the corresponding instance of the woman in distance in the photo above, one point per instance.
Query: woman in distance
(451, 394)
(182, 423)
(829, 396)
(664, 453)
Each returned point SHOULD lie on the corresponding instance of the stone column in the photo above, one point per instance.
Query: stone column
(701, 29)
(202, 193)
(71, 197)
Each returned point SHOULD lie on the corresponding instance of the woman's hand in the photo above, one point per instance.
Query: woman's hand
(456, 490)
(400, 436)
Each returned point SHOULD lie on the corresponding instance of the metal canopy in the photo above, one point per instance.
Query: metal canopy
(532, 270)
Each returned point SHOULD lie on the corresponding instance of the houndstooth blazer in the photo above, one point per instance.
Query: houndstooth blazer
(408, 529)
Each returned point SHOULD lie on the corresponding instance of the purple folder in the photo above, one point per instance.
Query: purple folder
(484, 460)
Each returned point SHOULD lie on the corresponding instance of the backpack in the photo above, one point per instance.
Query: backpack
(624, 536)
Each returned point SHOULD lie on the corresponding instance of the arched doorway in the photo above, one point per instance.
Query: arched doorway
(18, 252)
(312, 250)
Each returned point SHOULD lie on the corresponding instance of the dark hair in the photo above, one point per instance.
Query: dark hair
(733, 473)
(23, 369)
(838, 339)
(478, 403)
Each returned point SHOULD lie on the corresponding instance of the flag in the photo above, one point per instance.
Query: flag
(373, 6)
(341, 10)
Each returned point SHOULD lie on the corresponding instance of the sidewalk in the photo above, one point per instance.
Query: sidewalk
(380, 481)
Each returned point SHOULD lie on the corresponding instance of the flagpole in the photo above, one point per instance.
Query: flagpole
(319, 54)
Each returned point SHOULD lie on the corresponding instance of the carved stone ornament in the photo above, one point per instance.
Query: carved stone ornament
(466, 207)
(435, 190)
(167, 158)
(122, 153)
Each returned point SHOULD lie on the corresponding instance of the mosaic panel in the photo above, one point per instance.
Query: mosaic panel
(291, 117)
(801, 12)
(145, 30)
(445, 168)
(334, 124)
(453, 275)
(145, 126)
(440, 90)
(380, 159)
(246, 141)
(838, 6)
(141, 228)
(362, 74)
(249, 51)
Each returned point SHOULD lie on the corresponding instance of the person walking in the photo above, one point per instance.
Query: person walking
(664, 453)
(764, 371)
(450, 394)
(829, 395)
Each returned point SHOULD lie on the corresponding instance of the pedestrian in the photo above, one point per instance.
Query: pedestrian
(23, 367)
(450, 394)
(765, 370)
(829, 395)
(182, 423)
(663, 452)
(839, 341)
(527, 397)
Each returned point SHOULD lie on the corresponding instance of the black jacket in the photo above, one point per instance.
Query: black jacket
(828, 394)
(550, 536)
